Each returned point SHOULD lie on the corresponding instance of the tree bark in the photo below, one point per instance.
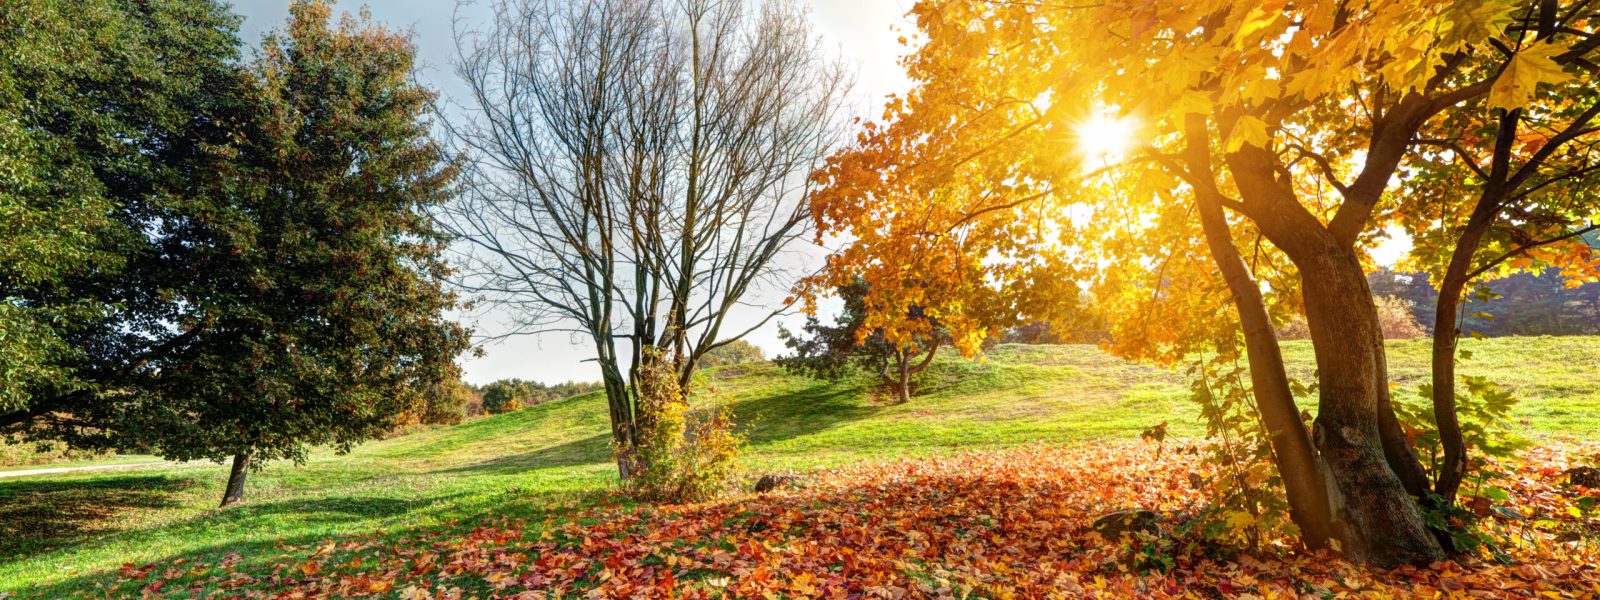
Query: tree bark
(620, 403)
(1453, 465)
(1397, 448)
(903, 386)
(1310, 506)
(1304, 480)
(234, 492)
(1384, 526)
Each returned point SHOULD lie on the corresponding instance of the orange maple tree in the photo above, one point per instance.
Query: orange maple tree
(1272, 141)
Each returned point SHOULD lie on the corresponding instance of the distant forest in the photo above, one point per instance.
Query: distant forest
(1526, 303)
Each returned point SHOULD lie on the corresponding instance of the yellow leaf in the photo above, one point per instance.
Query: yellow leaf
(1524, 72)
(1239, 519)
(1192, 103)
(1248, 130)
(1255, 26)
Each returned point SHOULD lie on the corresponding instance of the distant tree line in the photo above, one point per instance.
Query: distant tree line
(1521, 304)
(507, 395)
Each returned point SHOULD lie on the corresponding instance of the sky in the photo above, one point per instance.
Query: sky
(862, 32)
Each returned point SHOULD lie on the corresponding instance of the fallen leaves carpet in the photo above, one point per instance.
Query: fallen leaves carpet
(1012, 523)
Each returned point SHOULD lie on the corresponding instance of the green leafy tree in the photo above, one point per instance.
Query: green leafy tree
(319, 312)
(737, 352)
(507, 395)
(103, 105)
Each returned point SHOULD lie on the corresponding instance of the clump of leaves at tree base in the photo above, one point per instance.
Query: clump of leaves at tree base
(1244, 501)
(678, 456)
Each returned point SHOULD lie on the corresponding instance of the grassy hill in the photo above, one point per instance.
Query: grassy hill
(62, 533)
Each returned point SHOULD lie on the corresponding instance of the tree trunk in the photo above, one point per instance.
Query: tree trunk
(1310, 506)
(903, 386)
(620, 404)
(1453, 465)
(1304, 476)
(1447, 311)
(235, 490)
(1385, 527)
(1397, 448)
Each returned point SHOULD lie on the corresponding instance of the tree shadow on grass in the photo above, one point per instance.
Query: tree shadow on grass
(766, 419)
(587, 451)
(802, 412)
(41, 515)
(258, 556)
(326, 510)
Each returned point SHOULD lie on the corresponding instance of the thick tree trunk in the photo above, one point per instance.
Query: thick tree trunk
(234, 492)
(1310, 506)
(1385, 526)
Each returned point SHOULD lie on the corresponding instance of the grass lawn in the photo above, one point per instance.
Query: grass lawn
(64, 533)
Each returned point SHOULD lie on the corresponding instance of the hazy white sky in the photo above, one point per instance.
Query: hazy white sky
(862, 31)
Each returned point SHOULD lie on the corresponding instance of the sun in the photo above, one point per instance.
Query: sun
(1106, 137)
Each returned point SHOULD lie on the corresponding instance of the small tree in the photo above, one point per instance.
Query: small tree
(834, 351)
(678, 458)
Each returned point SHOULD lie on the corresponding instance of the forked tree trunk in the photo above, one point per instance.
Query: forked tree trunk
(234, 492)
(1385, 526)
(1310, 506)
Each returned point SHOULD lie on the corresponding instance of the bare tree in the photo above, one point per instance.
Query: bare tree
(637, 169)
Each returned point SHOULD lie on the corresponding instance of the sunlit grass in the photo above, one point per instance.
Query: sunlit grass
(57, 531)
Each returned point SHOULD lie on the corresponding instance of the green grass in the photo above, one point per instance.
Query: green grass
(61, 533)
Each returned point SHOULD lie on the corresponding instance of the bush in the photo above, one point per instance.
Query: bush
(737, 352)
(677, 458)
(1395, 316)
(507, 395)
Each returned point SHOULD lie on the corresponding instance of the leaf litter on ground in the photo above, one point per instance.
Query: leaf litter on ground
(1011, 523)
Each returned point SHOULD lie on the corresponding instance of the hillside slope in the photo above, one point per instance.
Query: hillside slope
(58, 533)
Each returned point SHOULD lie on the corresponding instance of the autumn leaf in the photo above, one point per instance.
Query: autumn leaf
(1527, 69)
(1248, 130)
